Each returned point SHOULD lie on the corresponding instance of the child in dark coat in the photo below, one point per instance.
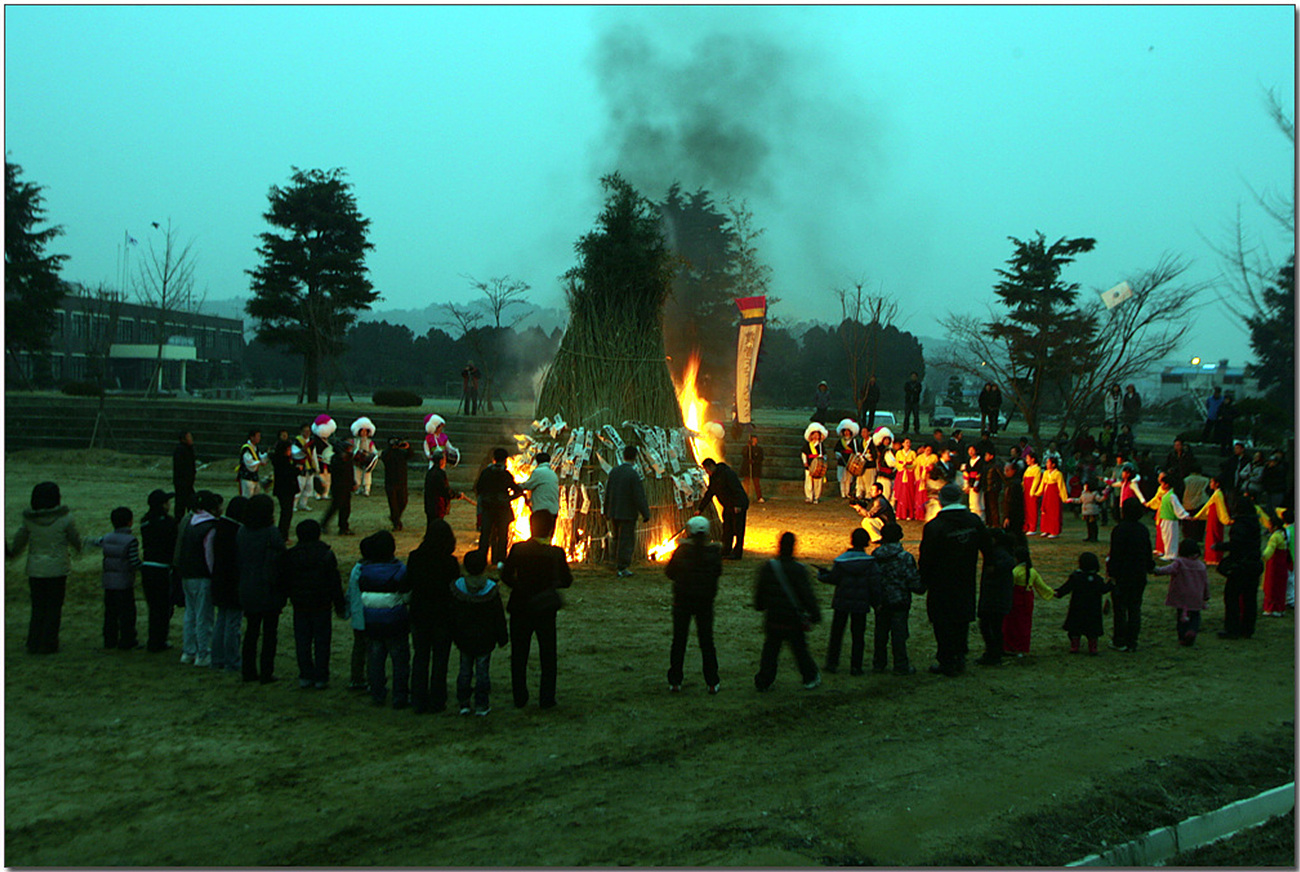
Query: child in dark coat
(996, 594)
(121, 562)
(1086, 587)
(898, 578)
(478, 625)
(309, 573)
(854, 575)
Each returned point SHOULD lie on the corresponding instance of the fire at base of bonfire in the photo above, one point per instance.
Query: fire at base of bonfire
(669, 461)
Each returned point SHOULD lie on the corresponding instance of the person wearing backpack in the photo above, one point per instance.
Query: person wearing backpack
(897, 579)
(786, 599)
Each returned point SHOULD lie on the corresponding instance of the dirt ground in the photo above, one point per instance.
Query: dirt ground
(129, 758)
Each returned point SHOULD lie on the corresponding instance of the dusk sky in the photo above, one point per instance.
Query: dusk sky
(900, 145)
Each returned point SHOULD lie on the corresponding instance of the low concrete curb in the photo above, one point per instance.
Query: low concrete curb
(1160, 844)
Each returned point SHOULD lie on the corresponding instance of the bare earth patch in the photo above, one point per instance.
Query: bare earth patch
(129, 758)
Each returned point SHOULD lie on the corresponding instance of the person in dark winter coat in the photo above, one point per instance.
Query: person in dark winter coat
(226, 653)
(950, 547)
(1013, 499)
(786, 599)
(496, 487)
(285, 487)
(1085, 587)
(121, 561)
(1242, 568)
(438, 493)
(478, 625)
(1127, 565)
(992, 484)
(694, 569)
(869, 403)
(751, 466)
(854, 575)
(432, 569)
(396, 458)
(379, 589)
(725, 485)
(535, 571)
(184, 465)
(47, 532)
(624, 501)
(912, 403)
(309, 575)
(996, 592)
(341, 496)
(158, 531)
(260, 547)
(897, 579)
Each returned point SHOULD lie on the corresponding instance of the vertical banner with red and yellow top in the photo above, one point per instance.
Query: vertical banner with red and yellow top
(753, 314)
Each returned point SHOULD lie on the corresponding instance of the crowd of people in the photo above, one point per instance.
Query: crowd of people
(231, 567)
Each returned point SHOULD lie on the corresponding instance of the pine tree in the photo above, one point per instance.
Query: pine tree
(33, 288)
(312, 280)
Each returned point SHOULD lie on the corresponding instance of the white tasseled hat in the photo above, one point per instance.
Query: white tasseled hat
(324, 426)
(432, 422)
(848, 424)
(363, 422)
(812, 428)
(880, 434)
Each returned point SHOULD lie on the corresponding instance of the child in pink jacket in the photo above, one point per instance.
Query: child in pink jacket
(1189, 589)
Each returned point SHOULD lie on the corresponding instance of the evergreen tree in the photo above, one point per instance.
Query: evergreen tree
(312, 280)
(1272, 337)
(1046, 335)
(32, 285)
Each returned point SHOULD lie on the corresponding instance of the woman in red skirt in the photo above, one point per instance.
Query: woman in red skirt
(1017, 626)
(1277, 564)
(905, 484)
(1033, 472)
(1215, 515)
(1051, 488)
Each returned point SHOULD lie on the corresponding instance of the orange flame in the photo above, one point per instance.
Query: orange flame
(695, 412)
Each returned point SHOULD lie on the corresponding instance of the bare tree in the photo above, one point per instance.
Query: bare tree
(863, 315)
(501, 292)
(1127, 341)
(167, 283)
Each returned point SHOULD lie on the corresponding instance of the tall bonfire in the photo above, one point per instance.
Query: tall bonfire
(610, 386)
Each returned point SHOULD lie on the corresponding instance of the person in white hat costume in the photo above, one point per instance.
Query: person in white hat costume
(363, 455)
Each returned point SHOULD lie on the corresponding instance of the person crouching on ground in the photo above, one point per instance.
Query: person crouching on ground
(854, 575)
(309, 572)
(1189, 590)
(694, 569)
(786, 599)
(478, 624)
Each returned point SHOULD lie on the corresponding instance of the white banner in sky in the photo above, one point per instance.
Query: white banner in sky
(1117, 295)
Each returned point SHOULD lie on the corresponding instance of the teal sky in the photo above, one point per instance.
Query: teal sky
(900, 145)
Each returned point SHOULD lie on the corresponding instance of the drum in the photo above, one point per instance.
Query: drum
(817, 467)
(857, 464)
(453, 455)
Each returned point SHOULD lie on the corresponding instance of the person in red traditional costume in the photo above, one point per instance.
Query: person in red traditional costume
(1033, 472)
(321, 431)
(1216, 516)
(1278, 565)
(435, 439)
(1051, 490)
(905, 482)
(364, 455)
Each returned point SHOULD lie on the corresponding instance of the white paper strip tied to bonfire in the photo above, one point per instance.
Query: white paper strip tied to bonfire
(610, 435)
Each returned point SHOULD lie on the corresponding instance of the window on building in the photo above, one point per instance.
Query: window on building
(80, 325)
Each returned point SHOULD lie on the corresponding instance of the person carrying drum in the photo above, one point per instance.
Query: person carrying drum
(850, 458)
(814, 462)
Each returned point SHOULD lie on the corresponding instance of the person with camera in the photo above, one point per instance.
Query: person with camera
(876, 511)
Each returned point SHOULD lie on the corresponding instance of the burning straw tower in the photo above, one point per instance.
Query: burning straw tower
(609, 384)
